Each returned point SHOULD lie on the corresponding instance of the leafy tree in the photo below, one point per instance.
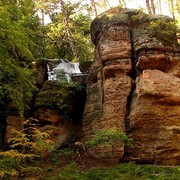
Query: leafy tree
(18, 40)
(110, 137)
(24, 148)
(68, 37)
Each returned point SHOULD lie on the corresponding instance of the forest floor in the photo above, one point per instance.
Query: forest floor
(68, 166)
(57, 162)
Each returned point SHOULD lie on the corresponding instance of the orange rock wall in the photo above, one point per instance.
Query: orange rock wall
(134, 87)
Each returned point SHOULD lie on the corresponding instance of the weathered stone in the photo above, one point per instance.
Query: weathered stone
(59, 107)
(127, 47)
(114, 43)
(175, 63)
(41, 73)
(154, 119)
(66, 99)
(109, 88)
(61, 133)
(49, 116)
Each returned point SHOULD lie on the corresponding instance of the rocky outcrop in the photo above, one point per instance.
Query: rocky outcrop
(134, 86)
(40, 73)
(59, 107)
(154, 119)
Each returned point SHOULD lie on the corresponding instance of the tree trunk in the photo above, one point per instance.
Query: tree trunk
(148, 7)
(43, 36)
(68, 31)
(94, 7)
(153, 7)
(106, 3)
(160, 7)
(171, 7)
(124, 4)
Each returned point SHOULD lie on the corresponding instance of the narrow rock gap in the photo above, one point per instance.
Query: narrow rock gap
(102, 86)
(133, 76)
(3, 124)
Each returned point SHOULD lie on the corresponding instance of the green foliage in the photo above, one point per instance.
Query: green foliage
(109, 137)
(17, 84)
(9, 163)
(56, 95)
(13, 163)
(57, 154)
(65, 152)
(56, 39)
(165, 31)
(133, 171)
(19, 37)
(123, 171)
(37, 143)
(42, 145)
(70, 171)
(16, 161)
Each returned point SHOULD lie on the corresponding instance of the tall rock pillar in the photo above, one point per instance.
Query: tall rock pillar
(134, 86)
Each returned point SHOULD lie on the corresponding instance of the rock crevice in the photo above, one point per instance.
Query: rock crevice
(136, 89)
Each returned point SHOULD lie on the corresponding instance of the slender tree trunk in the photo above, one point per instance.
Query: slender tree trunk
(148, 7)
(120, 3)
(94, 7)
(153, 7)
(107, 3)
(171, 7)
(43, 36)
(56, 45)
(160, 7)
(124, 4)
(68, 31)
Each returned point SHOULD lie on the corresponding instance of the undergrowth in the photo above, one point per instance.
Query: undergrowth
(125, 171)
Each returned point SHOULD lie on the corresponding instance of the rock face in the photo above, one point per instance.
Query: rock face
(40, 73)
(134, 86)
(154, 119)
(59, 108)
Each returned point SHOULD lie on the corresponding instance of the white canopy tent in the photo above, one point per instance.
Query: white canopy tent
(66, 69)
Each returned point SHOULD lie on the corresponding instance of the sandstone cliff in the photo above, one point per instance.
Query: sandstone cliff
(134, 86)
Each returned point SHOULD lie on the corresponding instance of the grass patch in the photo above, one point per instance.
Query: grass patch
(125, 171)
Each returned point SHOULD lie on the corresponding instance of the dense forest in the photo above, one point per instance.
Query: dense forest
(35, 30)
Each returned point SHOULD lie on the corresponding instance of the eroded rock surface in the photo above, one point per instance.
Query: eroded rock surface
(59, 108)
(154, 119)
(134, 86)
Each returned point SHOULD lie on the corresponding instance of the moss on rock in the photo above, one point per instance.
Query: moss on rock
(68, 99)
(161, 27)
